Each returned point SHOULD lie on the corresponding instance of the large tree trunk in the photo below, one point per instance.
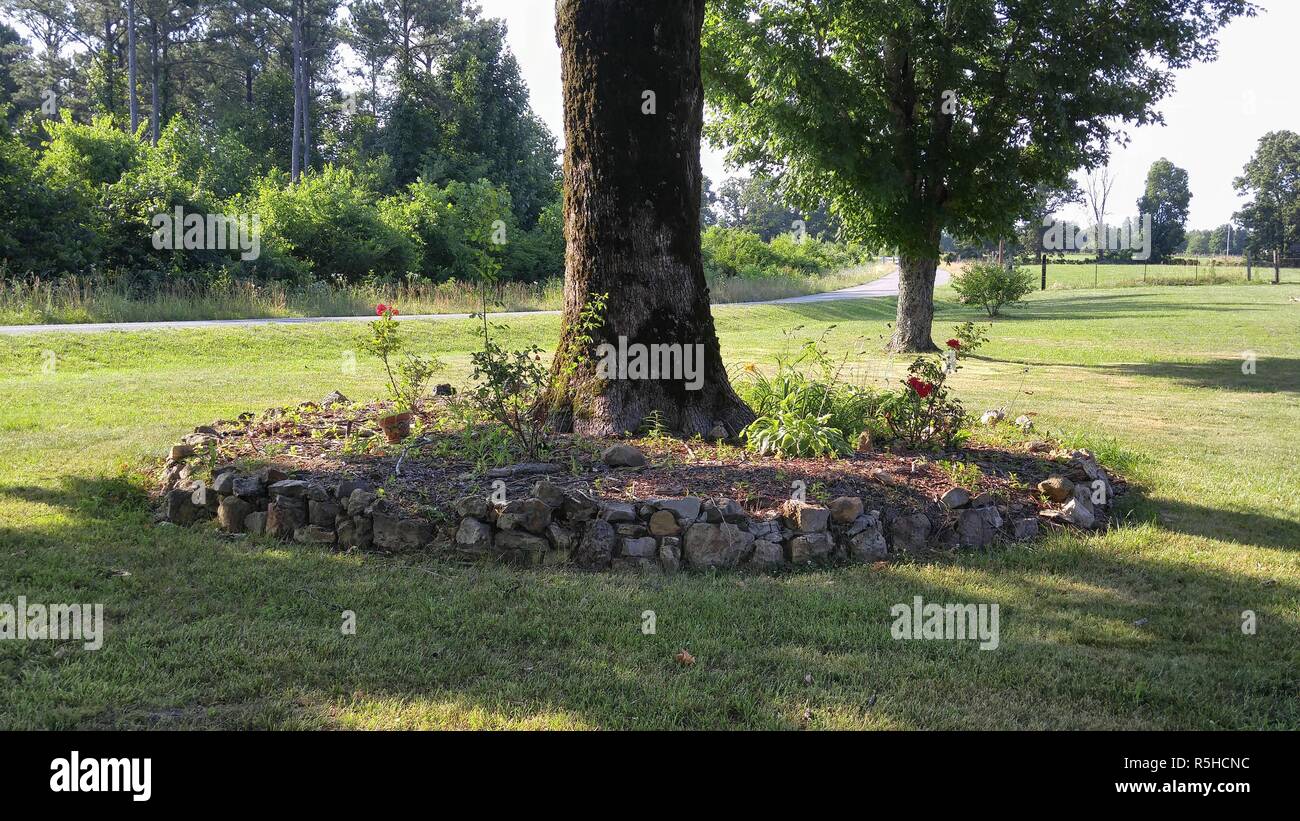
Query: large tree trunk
(294, 149)
(915, 305)
(632, 215)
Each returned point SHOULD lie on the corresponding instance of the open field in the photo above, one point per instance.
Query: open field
(1138, 628)
(73, 301)
(1114, 276)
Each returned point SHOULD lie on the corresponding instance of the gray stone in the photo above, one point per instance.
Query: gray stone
(615, 512)
(270, 476)
(322, 514)
(686, 510)
(867, 539)
(180, 452)
(316, 492)
(360, 501)
(910, 534)
(733, 512)
(283, 517)
(717, 433)
(401, 534)
(255, 523)
(664, 523)
(532, 515)
(474, 536)
(623, 456)
(846, 509)
(580, 506)
(716, 545)
(670, 554)
(475, 506)
(1026, 528)
(292, 488)
(561, 538)
(766, 529)
(224, 483)
(985, 499)
(248, 487)
(314, 534)
(1079, 514)
(711, 513)
(205, 497)
(631, 530)
(644, 548)
(358, 533)
(596, 547)
(632, 564)
(334, 398)
(955, 497)
(231, 514)
(973, 529)
(181, 509)
(811, 547)
(991, 515)
(551, 494)
(513, 540)
(343, 490)
(767, 554)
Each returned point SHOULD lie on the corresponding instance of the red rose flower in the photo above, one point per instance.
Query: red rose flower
(954, 344)
(394, 310)
(380, 309)
(921, 387)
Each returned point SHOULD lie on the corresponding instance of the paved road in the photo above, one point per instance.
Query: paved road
(885, 286)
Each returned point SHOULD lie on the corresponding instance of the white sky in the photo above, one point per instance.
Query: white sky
(1214, 118)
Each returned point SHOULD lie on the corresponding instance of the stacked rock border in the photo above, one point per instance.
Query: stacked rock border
(563, 526)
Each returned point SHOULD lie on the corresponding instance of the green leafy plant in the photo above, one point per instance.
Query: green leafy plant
(789, 433)
(924, 416)
(992, 286)
(963, 474)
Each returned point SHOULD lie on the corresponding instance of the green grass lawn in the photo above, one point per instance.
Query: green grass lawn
(1113, 276)
(1138, 628)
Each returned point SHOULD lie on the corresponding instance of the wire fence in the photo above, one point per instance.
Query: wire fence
(1177, 272)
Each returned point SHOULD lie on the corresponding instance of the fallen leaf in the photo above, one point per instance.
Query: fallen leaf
(684, 658)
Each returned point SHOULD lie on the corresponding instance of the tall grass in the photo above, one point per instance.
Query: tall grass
(75, 299)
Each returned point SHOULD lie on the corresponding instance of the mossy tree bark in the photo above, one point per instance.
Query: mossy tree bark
(633, 112)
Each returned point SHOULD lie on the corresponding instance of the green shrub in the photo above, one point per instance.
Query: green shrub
(992, 286)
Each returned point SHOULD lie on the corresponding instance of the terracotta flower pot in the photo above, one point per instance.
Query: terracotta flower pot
(396, 427)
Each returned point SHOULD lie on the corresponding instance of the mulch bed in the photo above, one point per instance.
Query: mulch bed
(427, 473)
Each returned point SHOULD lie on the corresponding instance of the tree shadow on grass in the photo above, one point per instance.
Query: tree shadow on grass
(235, 634)
(1272, 374)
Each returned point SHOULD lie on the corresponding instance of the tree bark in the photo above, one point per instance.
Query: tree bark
(294, 149)
(632, 217)
(131, 66)
(915, 304)
(153, 83)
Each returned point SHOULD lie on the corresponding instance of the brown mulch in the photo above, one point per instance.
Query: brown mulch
(431, 470)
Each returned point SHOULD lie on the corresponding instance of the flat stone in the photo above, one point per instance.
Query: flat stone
(343, 490)
(644, 548)
(293, 488)
(686, 510)
(514, 540)
(810, 547)
(475, 506)
(664, 523)
(973, 530)
(767, 554)
(580, 506)
(474, 536)
(955, 497)
(910, 534)
(180, 452)
(314, 534)
(631, 530)
(255, 523)
(766, 529)
(716, 545)
(846, 509)
(632, 564)
(623, 456)
(248, 487)
(1079, 514)
(401, 534)
(615, 512)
